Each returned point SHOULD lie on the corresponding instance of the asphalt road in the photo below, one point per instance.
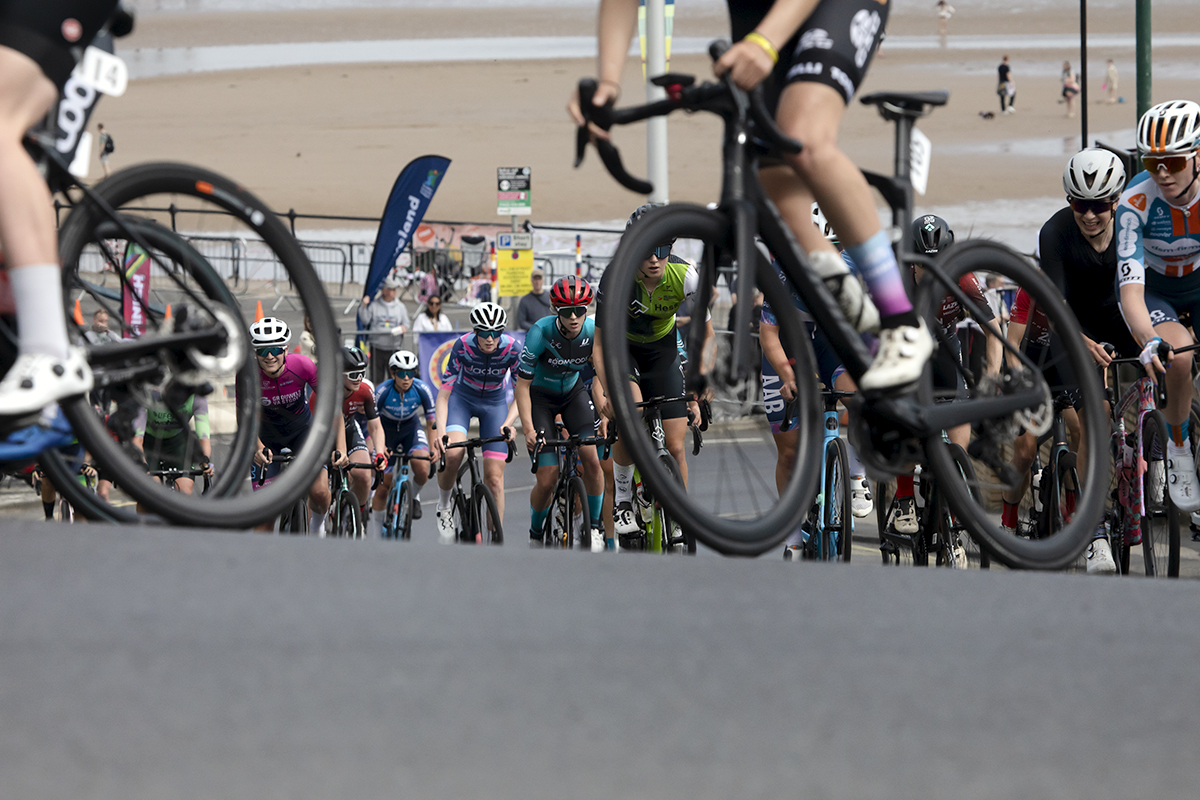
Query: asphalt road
(138, 663)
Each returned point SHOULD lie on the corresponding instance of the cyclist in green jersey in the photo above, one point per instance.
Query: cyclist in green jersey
(663, 283)
(166, 441)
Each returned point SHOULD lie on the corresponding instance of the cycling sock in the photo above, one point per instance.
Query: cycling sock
(37, 293)
(904, 486)
(1178, 434)
(1069, 502)
(595, 503)
(316, 523)
(537, 518)
(622, 483)
(1175, 451)
(375, 524)
(1008, 517)
(444, 498)
(48, 509)
(856, 467)
(881, 273)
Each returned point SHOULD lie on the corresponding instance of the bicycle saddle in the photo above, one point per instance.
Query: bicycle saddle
(911, 103)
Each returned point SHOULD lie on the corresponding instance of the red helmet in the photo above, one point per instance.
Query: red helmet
(570, 291)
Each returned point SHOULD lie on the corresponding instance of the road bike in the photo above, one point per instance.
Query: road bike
(659, 531)
(293, 518)
(828, 530)
(569, 523)
(398, 511)
(171, 475)
(474, 504)
(889, 430)
(345, 515)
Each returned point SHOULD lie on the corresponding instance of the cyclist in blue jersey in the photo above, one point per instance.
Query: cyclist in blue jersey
(286, 418)
(1158, 269)
(557, 349)
(403, 401)
(473, 385)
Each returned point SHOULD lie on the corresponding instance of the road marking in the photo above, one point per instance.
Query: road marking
(734, 440)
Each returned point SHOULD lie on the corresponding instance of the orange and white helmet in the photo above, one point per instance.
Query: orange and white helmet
(1169, 129)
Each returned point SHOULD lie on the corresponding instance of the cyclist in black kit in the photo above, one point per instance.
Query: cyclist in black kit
(40, 43)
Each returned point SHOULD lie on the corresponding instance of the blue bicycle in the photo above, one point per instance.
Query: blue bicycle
(398, 512)
(828, 530)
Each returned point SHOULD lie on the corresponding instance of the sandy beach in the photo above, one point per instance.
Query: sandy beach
(330, 139)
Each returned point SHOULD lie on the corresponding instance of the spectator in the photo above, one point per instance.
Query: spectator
(386, 320)
(106, 149)
(432, 318)
(1006, 88)
(534, 305)
(99, 333)
(1070, 87)
(944, 12)
(308, 344)
(1110, 82)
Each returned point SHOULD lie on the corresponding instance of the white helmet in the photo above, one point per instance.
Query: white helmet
(402, 359)
(1169, 129)
(823, 224)
(1094, 174)
(488, 317)
(270, 332)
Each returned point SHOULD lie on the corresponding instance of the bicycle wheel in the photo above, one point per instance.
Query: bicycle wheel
(466, 525)
(675, 538)
(837, 518)
(976, 555)
(62, 471)
(743, 514)
(63, 511)
(191, 231)
(579, 518)
(1060, 362)
(349, 523)
(484, 510)
(884, 498)
(1160, 525)
(403, 512)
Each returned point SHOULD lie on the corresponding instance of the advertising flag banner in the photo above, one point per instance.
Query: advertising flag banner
(137, 283)
(406, 206)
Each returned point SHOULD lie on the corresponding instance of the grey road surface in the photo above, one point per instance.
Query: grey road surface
(143, 663)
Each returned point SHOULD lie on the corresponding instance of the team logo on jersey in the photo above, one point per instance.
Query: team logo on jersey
(72, 31)
(816, 39)
(1138, 201)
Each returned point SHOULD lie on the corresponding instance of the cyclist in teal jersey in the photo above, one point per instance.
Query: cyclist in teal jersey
(664, 282)
(557, 349)
(1158, 269)
(166, 441)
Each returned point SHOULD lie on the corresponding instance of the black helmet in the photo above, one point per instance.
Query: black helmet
(640, 212)
(353, 359)
(931, 234)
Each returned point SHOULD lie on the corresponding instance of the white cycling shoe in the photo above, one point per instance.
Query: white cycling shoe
(905, 518)
(445, 526)
(1099, 558)
(847, 289)
(624, 519)
(860, 497)
(36, 380)
(903, 351)
(1181, 478)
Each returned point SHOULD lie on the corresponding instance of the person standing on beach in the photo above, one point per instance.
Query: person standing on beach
(944, 12)
(1110, 82)
(1070, 87)
(106, 149)
(1006, 89)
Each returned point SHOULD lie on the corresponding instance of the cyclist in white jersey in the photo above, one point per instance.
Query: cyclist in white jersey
(1158, 269)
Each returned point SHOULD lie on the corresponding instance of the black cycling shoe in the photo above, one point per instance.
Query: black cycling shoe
(535, 540)
(416, 509)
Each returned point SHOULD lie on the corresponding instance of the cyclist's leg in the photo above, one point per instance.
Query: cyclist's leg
(543, 409)
(1180, 462)
(491, 420)
(579, 417)
(391, 440)
(319, 498)
(458, 418)
(356, 448)
(418, 470)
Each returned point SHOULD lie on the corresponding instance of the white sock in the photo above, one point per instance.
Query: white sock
(316, 523)
(41, 320)
(623, 483)
(375, 524)
(444, 498)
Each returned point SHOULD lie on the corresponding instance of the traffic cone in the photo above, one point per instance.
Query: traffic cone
(258, 314)
(167, 313)
(78, 313)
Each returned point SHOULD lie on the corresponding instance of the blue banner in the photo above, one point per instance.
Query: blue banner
(406, 205)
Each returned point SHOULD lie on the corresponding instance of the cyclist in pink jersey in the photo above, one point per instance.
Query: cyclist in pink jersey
(286, 418)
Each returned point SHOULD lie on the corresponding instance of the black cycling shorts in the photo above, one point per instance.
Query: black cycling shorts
(578, 416)
(660, 373)
(54, 33)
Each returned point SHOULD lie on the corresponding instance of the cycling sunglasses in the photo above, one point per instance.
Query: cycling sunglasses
(404, 373)
(661, 251)
(357, 375)
(488, 334)
(1172, 163)
(263, 352)
(1097, 207)
(572, 311)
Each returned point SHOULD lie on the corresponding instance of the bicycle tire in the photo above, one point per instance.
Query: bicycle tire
(404, 520)
(465, 530)
(349, 523)
(577, 497)
(750, 535)
(225, 506)
(86, 503)
(883, 508)
(1160, 525)
(973, 508)
(836, 511)
(966, 469)
(687, 545)
(63, 511)
(484, 503)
